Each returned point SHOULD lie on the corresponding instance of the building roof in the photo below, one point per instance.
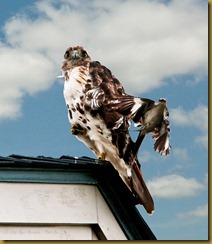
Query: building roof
(83, 170)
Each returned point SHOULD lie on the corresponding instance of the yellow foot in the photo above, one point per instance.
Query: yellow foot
(102, 156)
(77, 129)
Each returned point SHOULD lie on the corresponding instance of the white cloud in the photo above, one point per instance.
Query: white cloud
(140, 50)
(206, 179)
(198, 117)
(201, 212)
(174, 186)
(181, 153)
(147, 156)
(21, 72)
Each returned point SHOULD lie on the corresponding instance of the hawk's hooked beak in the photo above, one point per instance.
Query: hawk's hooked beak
(75, 54)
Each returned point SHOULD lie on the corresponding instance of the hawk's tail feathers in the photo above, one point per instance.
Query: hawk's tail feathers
(141, 190)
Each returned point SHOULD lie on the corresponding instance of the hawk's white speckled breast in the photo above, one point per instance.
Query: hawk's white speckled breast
(75, 97)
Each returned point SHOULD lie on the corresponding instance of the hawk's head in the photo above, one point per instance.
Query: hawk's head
(75, 56)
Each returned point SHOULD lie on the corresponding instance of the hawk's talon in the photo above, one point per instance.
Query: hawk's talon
(102, 156)
(77, 129)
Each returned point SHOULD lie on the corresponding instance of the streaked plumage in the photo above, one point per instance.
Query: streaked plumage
(99, 111)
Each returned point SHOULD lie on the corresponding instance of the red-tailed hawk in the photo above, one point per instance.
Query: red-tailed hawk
(99, 111)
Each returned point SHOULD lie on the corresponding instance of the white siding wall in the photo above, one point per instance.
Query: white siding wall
(32, 211)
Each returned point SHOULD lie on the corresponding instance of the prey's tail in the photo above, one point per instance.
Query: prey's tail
(161, 135)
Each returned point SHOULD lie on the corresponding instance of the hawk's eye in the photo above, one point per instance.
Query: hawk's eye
(67, 54)
(84, 54)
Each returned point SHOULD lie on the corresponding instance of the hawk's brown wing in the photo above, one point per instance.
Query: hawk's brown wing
(106, 97)
(106, 94)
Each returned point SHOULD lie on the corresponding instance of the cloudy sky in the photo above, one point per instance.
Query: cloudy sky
(156, 48)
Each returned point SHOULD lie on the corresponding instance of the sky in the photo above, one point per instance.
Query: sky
(155, 48)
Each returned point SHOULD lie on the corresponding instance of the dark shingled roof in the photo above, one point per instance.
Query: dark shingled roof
(83, 170)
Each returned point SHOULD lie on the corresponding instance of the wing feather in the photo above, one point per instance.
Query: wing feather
(108, 92)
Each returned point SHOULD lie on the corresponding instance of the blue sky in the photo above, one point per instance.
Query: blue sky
(155, 48)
